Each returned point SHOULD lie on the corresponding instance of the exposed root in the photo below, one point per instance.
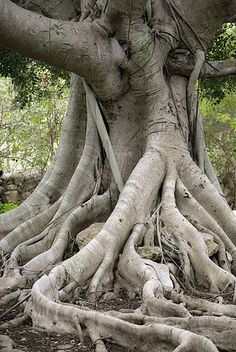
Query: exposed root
(220, 330)
(203, 221)
(159, 323)
(14, 274)
(150, 278)
(154, 303)
(14, 323)
(28, 229)
(206, 273)
(96, 338)
(10, 297)
(150, 337)
(149, 236)
(205, 306)
(207, 195)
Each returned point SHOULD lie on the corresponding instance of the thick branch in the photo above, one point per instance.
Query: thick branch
(83, 48)
(219, 68)
(36, 36)
(64, 10)
(182, 63)
(201, 19)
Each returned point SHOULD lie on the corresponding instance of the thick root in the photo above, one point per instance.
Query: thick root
(140, 218)
(206, 272)
(207, 195)
(14, 274)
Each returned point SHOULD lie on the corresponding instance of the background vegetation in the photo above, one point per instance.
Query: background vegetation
(218, 106)
(30, 117)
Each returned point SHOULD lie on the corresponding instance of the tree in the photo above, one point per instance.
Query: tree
(141, 60)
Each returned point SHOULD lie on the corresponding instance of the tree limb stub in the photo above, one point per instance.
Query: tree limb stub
(219, 68)
(182, 63)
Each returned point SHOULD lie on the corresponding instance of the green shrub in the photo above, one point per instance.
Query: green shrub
(6, 207)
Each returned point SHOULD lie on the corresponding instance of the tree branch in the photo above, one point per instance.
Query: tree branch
(182, 63)
(200, 20)
(83, 48)
(36, 36)
(64, 10)
(219, 68)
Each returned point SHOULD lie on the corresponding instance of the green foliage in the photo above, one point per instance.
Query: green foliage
(6, 207)
(30, 135)
(223, 47)
(218, 105)
(220, 132)
(28, 77)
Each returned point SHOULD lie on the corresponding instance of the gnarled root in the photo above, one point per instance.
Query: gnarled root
(17, 275)
(112, 261)
(206, 272)
(154, 337)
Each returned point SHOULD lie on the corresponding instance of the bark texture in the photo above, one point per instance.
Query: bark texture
(142, 60)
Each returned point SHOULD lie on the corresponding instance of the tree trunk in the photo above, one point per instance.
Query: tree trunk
(136, 59)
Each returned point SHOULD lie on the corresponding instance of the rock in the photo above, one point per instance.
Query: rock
(5, 342)
(234, 211)
(229, 257)
(149, 252)
(11, 196)
(34, 331)
(212, 246)
(163, 274)
(109, 296)
(85, 236)
(30, 183)
(11, 187)
(24, 196)
(24, 184)
(18, 180)
(65, 347)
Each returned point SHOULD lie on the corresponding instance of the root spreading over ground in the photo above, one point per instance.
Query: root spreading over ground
(167, 239)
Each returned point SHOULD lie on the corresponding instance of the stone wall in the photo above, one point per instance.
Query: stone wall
(16, 188)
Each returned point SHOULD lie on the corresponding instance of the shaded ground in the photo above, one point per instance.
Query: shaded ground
(27, 339)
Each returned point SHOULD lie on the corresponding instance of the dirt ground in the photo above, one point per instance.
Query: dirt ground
(28, 339)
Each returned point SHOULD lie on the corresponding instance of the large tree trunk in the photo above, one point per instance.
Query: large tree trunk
(142, 61)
